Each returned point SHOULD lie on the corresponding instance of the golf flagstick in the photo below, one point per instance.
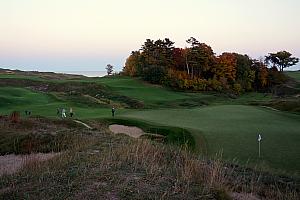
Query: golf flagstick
(259, 139)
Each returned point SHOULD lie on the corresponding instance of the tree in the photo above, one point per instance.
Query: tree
(196, 67)
(226, 67)
(159, 53)
(154, 74)
(200, 57)
(133, 64)
(179, 59)
(244, 74)
(261, 74)
(281, 60)
(109, 69)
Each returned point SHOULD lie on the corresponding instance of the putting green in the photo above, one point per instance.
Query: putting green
(233, 130)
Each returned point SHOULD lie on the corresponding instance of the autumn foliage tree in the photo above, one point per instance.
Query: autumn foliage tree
(226, 67)
(133, 64)
(196, 67)
(200, 58)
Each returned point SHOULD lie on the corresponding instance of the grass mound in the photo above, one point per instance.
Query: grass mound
(38, 135)
(288, 104)
(116, 167)
(72, 91)
(295, 75)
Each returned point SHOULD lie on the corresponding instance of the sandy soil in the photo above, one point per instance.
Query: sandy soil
(131, 131)
(82, 123)
(12, 163)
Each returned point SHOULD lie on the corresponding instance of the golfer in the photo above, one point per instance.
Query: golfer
(63, 113)
(113, 110)
(71, 112)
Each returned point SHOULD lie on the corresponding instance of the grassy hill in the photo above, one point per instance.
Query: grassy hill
(219, 123)
(294, 74)
(95, 164)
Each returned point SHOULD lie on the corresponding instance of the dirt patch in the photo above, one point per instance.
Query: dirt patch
(131, 131)
(82, 123)
(270, 108)
(10, 164)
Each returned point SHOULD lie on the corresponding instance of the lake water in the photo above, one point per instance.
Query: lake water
(86, 73)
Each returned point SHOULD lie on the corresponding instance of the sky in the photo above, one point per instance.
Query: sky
(86, 35)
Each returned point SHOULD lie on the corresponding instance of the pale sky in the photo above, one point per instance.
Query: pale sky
(72, 35)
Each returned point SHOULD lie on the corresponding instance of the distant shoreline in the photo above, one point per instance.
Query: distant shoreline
(84, 73)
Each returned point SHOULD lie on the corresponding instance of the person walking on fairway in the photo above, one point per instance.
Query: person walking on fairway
(71, 112)
(113, 110)
(63, 113)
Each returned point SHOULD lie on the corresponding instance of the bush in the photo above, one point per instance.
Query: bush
(276, 77)
(154, 74)
(237, 88)
(14, 117)
(214, 84)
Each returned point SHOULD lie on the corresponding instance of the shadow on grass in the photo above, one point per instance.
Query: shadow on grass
(174, 135)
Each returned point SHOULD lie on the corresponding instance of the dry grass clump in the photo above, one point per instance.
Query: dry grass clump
(36, 134)
(117, 167)
(199, 177)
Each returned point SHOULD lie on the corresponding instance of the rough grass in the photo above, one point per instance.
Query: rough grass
(116, 167)
(287, 104)
(38, 135)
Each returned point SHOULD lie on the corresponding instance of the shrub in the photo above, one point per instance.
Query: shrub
(14, 117)
(154, 74)
(237, 88)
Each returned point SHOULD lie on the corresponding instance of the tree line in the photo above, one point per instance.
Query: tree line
(198, 68)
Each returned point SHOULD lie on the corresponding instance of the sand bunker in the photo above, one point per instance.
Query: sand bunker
(131, 131)
(12, 163)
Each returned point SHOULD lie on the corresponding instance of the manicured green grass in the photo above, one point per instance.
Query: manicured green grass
(158, 97)
(15, 76)
(224, 124)
(233, 130)
(137, 89)
(295, 75)
(20, 99)
(12, 97)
